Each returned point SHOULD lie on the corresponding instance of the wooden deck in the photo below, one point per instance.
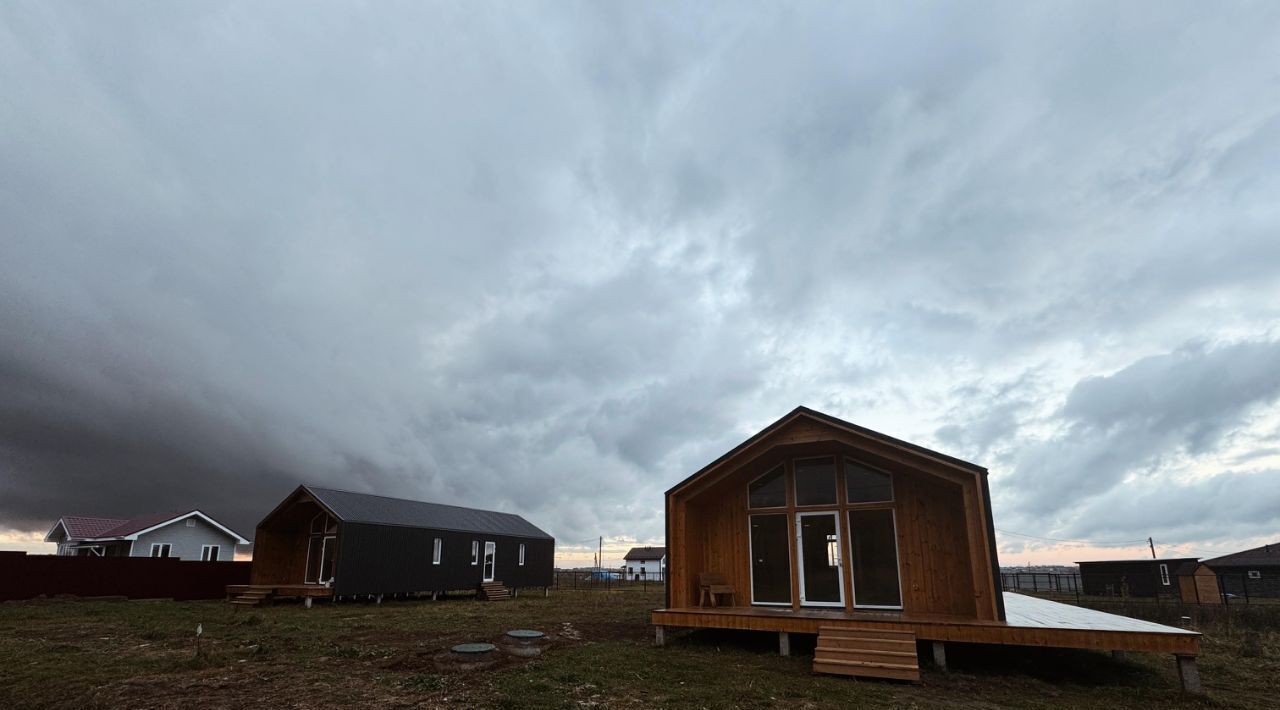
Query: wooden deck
(314, 591)
(1030, 622)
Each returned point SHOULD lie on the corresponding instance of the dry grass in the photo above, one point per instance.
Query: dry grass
(142, 655)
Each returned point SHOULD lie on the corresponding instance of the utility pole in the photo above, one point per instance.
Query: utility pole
(1152, 544)
(600, 553)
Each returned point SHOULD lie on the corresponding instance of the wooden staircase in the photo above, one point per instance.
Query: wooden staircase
(255, 596)
(493, 591)
(866, 653)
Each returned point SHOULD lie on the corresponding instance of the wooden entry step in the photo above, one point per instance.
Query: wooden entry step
(493, 591)
(866, 653)
(254, 597)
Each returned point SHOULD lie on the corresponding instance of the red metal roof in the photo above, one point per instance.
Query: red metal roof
(84, 526)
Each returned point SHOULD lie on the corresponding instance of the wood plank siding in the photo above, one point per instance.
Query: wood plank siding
(944, 550)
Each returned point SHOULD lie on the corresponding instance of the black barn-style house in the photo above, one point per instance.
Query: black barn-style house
(352, 544)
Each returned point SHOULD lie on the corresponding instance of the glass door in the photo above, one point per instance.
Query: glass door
(770, 560)
(490, 552)
(818, 543)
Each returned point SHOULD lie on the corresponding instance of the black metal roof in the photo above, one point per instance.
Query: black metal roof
(1265, 556)
(380, 510)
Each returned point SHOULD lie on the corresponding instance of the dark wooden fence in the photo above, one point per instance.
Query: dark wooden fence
(24, 576)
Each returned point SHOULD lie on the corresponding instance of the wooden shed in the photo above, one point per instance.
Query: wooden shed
(322, 542)
(818, 526)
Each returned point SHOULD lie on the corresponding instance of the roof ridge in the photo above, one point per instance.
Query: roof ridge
(410, 500)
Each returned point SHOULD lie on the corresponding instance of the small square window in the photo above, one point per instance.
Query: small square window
(191, 522)
(1255, 574)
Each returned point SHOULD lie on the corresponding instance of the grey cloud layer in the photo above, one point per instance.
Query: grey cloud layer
(552, 260)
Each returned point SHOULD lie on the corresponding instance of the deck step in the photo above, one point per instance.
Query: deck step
(870, 644)
(493, 591)
(866, 653)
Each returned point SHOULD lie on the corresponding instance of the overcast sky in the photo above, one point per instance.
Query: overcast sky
(553, 258)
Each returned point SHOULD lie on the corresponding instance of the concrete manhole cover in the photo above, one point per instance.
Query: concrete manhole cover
(524, 634)
(474, 648)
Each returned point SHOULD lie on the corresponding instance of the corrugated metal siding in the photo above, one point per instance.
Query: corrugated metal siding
(390, 559)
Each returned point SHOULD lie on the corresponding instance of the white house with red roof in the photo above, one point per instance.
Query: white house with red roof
(189, 536)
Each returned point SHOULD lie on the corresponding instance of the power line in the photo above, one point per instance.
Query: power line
(1081, 542)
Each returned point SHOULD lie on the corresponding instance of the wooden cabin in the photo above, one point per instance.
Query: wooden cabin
(818, 526)
(321, 542)
(1136, 578)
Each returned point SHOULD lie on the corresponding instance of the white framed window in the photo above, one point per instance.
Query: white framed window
(522, 554)
(161, 549)
(436, 550)
(1164, 574)
(191, 522)
(209, 553)
(475, 552)
(1255, 574)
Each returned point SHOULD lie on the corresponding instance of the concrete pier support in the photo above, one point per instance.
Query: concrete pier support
(1189, 674)
(659, 636)
(307, 602)
(784, 643)
(940, 655)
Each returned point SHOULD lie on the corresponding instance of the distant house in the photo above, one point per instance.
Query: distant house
(1136, 578)
(322, 542)
(189, 536)
(1254, 573)
(646, 563)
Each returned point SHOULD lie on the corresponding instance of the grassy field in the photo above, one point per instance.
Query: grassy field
(79, 654)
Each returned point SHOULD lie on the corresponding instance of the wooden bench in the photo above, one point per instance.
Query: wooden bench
(711, 585)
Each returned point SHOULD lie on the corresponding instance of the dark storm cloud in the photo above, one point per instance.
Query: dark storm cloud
(554, 259)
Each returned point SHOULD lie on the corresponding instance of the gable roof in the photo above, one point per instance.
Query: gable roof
(1265, 556)
(352, 507)
(80, 527)
(805, 412)
(646, 553)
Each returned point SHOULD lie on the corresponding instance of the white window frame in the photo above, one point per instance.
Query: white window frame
(1164, 574)
(1255, 574)
(437, 551)
(210, 551)
(191, 522)
(522, 554)
(166, 547)
(799, 556)
(475, 552)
